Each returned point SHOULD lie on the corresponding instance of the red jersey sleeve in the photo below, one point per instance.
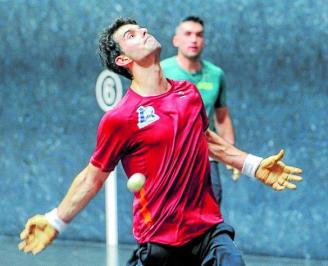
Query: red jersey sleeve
(110, 145)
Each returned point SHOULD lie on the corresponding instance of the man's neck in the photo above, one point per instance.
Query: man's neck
(149, 80)
(191, 65)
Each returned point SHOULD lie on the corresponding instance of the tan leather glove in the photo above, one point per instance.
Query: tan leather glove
(37, 235)
(274, 173)
(235, 173)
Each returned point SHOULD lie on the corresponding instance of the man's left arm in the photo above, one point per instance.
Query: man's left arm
(271, 170)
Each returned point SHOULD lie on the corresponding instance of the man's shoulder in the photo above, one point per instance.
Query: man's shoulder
(184, 85)
(121, 112)
(114, 117)
(212, 67)
(181, 83)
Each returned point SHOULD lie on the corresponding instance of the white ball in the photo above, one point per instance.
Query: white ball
(136, 182)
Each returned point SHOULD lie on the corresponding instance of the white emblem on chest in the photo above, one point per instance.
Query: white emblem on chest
(146, 116)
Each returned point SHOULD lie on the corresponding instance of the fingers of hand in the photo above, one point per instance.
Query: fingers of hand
(27, 237)
(282, 182)
(235, 174)
(44, 240)
(26, 244)
(292, 170)
(22, 245)
(26, 241)
(29, 247)
(29, 227)
(36, 242)
(279, 155)
(35, 220)
(290, 185)
(37, 235)
(289, 169)
(277, 187)
(294, 178)
(24, 234)
(38, 248)
(276, 158)
(272, 160)
(268, 162)
(235, 177)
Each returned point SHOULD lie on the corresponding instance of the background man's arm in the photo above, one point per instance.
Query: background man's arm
(223, 124)
(221, 150)
(224, 128)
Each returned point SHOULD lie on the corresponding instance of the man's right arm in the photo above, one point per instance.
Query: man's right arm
(84, 187)
(41, 230)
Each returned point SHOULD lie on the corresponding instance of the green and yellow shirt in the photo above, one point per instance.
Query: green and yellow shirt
(209, 81)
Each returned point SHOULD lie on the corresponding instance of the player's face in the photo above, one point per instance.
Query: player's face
(189, 39)
(135, 42)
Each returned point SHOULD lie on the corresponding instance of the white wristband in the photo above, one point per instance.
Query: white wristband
(55, 221)
(251, 164)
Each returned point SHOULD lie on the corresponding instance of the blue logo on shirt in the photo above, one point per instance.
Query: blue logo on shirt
(146, 116)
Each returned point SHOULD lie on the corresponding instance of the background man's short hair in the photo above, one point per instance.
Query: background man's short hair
(194, 19)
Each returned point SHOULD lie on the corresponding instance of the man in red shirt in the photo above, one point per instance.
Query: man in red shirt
(159, 129)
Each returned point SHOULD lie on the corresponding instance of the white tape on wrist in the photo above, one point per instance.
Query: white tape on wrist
(251, 164)
(55, 221)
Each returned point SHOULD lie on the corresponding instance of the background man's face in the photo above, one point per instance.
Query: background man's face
(189, 39)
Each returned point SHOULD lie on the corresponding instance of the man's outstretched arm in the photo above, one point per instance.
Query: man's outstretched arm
(271, 171)
(41, 230)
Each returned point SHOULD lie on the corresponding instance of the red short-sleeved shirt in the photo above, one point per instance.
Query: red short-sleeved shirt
(163, 138)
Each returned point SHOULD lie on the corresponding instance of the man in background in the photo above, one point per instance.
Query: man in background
(209, 79)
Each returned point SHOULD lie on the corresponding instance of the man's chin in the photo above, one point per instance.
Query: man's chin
(158, 47)
(156, 50)
(193, 57)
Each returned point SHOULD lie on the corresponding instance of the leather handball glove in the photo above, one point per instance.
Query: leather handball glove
(274, 173)
(37, 235)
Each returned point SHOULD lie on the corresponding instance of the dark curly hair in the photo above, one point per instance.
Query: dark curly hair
(109, 49)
